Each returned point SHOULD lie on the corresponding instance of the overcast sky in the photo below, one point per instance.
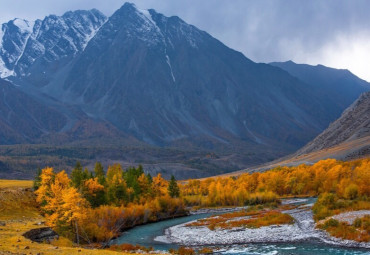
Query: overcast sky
(335, 33)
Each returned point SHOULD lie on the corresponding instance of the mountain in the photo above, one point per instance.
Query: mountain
(339, 88)
(140, 87)
(163, 80)
(354, 124)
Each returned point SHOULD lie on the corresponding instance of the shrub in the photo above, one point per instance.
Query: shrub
(205, 250)
(331, 223)
(357, 223)
(351, 192)
(183, 251)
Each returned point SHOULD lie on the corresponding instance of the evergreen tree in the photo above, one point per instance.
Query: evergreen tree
(37, 180)
(131, 176)
(173, 188)
(86, 175)
(99, 173)
(77, 175)
(150, 178)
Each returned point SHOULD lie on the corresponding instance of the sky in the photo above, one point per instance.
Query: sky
(335, 33)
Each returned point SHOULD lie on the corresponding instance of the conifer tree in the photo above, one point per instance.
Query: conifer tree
(173, 188)
(99, 173)
(77, 175)
(37, 180)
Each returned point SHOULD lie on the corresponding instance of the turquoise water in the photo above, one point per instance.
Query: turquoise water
(144, 235)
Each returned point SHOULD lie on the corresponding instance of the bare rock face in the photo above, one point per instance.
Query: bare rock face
(352, 125)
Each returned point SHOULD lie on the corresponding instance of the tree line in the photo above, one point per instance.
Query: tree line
(96, 206)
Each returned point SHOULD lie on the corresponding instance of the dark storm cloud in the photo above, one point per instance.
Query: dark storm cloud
(273, 30)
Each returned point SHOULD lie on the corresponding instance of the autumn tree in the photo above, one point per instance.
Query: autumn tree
(117, 191)
(94, 192)
(73, 208)
(145, 185)
(159, 186)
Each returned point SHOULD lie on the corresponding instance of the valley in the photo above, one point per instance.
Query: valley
(139, 86)
(132, 131)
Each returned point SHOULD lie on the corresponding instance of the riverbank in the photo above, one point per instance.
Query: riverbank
(302, 230)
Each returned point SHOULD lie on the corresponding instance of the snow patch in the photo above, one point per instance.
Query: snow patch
(92, 35)
(147, 14)
(1, 37)
(149, 24)
(4, 71)
(24, 26)
(169, 64)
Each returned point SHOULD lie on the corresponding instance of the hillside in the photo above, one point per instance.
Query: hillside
(19, 213)
(139, 81)
(354, 124)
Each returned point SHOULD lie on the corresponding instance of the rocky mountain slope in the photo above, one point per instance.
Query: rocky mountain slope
(22, 118)
(354, 124)
(139, 79)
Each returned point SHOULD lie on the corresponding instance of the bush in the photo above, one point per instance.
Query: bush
(182, 251)
(205, 250)
(331, 223)
(357, 223)
(351, 192)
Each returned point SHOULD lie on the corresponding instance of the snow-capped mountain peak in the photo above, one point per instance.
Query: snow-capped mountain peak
(24, 43)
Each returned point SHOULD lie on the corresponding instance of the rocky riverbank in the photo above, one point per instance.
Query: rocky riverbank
(302, 230)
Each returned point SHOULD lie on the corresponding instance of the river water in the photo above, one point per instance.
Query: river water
(144, 235)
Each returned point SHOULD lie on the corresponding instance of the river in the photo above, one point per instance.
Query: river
(144, 235)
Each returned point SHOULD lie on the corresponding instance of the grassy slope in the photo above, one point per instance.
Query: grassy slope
(18, 210)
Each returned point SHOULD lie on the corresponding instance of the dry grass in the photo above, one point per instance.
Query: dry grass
(359, 231)
(19, 214)
(15, 183)
(246, 219)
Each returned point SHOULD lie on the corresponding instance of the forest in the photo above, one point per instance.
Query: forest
(94, 207)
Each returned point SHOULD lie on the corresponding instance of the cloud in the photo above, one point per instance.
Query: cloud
(330, 32)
